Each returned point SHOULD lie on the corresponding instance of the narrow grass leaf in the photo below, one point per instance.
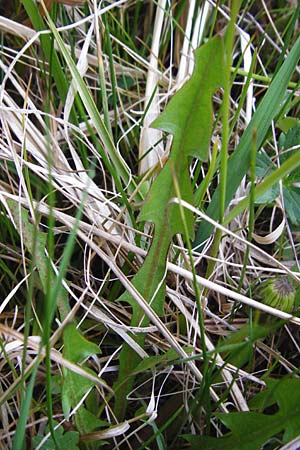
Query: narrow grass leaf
(19, 435)
(46, 44)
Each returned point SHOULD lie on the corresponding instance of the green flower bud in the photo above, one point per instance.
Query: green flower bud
(277, 292)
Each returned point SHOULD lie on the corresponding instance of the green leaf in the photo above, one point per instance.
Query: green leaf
(288, 140)
(240, 342)
(68, 440)
(86, 421)
(285, 123)
(209, 443)
(291, 193)
(239, 161)
(262, 400)
(269, 196)
(292, 204)
(36, 240)
(76, 346)
(75, 386)
(251, 430)
(189, 118)
(153, 361)
(292, 163)
(264, 165)
(287, 394)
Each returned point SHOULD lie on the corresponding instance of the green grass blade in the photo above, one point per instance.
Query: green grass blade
(19, 435)
(228, 46)
(51, 55)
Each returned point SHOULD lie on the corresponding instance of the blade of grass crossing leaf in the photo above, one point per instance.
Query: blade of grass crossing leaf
(112, 70)
(240, 159)
(201, 191)
(205, 369)
(35, 242)
(102, 79)
(263, 79)
(50, 279)
(31, 244)
(54, 289)
(229, 40)
(244, 93)
(251, 210)
(84, 419)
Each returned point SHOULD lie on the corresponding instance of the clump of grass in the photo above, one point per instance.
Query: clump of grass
(129, 314)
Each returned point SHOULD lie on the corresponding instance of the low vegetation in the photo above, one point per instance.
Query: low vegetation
(149, 199)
